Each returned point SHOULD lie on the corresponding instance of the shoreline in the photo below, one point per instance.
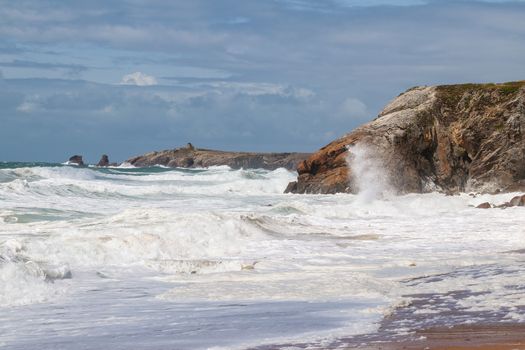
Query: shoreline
(505, 336)
(448, 326)
(478, 336)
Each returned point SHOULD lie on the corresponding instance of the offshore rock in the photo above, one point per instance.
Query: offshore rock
(76, 159)
(104, 160)
(191, 157)
(449, 138)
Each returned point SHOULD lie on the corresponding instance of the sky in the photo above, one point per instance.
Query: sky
(132, 76)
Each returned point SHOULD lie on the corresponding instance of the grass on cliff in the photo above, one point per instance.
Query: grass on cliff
(452, 94)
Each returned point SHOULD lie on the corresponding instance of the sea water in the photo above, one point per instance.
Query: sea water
(157, 258)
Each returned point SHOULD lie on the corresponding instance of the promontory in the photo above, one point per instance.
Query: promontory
(192, 157)
(449, 138)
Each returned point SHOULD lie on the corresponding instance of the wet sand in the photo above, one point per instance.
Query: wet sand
(510, 336)
(440, 321)
(450, 329)
(479, 337)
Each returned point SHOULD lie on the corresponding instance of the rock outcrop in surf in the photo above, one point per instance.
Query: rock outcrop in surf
(76, 159)
(516, 201)
(449, 138)
(104, 161)
(192, 157)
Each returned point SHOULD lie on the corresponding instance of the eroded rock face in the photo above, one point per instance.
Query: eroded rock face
(191, 157)
(448, 138)
(76, 159)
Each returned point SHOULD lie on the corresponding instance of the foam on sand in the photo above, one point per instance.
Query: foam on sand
(109, 250)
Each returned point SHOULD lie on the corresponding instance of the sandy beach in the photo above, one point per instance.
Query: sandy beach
(448, 327)
(508, 336)
(480, 337)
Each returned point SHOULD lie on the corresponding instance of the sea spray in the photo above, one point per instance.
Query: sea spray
(368, 175)
(222, 258)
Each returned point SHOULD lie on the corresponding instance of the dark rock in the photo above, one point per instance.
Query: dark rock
(191, 157)
(518, 201)
(485, 205)
(104, 161)
(291, 188)
(451, 138)
(76, 159)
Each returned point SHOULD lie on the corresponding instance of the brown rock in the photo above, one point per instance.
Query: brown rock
(518, 201)
(291, 188)
(450, 138)
(104, 161)
(76, 159)
(485, 205)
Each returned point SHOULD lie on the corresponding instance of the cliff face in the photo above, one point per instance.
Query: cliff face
(190, 157)
(449, 138)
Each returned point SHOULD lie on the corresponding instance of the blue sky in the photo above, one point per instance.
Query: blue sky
(127, 77)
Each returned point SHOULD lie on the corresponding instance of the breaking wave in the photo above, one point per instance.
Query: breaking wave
(84, 239)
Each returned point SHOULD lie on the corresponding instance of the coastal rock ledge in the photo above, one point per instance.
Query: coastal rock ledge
(450, 138)
(191, 157)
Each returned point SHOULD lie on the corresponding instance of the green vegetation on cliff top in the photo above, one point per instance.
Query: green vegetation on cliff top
(452, 94)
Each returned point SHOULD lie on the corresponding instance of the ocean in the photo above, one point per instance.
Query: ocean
(159, 258)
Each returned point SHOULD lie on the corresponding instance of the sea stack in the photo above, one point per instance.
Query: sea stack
(104, 160)
(76, 159)
(449, 138)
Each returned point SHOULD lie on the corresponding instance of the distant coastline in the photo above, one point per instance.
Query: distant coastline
(192, 157)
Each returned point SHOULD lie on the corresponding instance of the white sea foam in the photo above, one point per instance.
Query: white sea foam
(368, 172)
(218, 247)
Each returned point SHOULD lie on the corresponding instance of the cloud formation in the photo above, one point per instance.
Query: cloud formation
(247, 75)
(138, 79)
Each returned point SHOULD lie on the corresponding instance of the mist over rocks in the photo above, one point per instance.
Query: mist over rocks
(449, 138)
(192, 157)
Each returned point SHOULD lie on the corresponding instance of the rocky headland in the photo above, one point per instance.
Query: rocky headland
(449, 138)
(191, 157)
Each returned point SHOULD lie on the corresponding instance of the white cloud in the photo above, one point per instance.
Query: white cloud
(27, 107)
(30, 104)
(259, 89)
(139, 79)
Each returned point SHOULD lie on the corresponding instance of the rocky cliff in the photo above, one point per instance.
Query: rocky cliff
(191, 157)
(450, 138)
